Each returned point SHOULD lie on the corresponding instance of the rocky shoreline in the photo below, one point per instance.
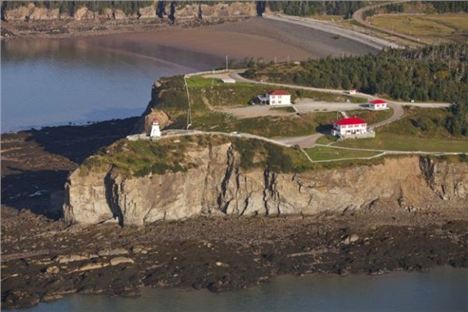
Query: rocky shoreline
(59, 21)
(72, 28)
(52, 259)
(43, 258)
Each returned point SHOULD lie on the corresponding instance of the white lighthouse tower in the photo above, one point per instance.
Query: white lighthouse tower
(155, 131)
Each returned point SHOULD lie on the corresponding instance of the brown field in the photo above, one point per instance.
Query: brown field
(434, 28)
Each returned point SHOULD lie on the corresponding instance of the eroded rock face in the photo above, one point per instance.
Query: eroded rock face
(83, 13)
(218, 185)
(30, 11)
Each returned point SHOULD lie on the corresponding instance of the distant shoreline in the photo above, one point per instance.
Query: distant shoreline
(61, 29)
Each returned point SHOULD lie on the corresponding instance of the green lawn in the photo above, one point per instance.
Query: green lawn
(328, 153)
(216, 93)
(399, 142)
(268, 126)
(422, 129)
(372, 117)
(207, 94)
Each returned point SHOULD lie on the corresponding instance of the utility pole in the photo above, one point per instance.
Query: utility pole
(227, 63)
(189, 107)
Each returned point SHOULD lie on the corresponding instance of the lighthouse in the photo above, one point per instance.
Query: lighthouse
(155, 131)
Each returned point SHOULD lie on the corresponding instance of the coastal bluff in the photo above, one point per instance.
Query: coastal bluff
(83, 11)
(211, 177)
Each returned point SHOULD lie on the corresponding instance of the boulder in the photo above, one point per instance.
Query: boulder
(112, 252)
(121, 260)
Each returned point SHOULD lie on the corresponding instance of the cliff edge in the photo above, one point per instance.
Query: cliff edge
(171, 179)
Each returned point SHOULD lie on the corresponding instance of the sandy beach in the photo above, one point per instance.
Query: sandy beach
(254, 37)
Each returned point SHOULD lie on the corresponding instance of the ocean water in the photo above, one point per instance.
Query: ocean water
(79, 80)
(442, 289)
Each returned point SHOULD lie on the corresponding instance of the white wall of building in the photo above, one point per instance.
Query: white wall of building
(155, 130)
(379, 106)
(279, 99)
(343, 130)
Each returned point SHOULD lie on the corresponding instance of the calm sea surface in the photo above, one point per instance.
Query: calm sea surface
(442, 289)
(57, 81)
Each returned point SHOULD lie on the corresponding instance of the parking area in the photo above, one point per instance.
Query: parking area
(305, 105)
(252, 111)
(301, 106)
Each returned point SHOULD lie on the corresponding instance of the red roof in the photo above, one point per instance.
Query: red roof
(279, 92)
(378, 101)
(350, 121)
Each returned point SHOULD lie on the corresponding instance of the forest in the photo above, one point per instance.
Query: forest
(306, 8)
(301, 8)
(69, 7)
(433, 73)
(347, 8)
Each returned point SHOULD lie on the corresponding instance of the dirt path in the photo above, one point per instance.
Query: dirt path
(305, 141)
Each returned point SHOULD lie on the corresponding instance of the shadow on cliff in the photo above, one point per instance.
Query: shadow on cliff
(79, 142)
(112, 200)
(42, 191)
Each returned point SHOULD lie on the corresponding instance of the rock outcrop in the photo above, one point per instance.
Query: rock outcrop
(83, 11)
(219, 185)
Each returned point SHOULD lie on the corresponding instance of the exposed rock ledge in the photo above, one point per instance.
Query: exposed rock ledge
(219, 185)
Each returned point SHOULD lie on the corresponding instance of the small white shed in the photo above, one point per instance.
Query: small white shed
(228, 80)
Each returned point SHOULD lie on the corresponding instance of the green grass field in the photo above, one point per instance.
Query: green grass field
(268, 126)
(207, 94)
(422, 129)
(372, 117)
(216, 93)
(398, 142)
(328, 153)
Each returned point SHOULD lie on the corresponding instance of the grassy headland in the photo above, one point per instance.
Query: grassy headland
(208, 95)
(139, 158)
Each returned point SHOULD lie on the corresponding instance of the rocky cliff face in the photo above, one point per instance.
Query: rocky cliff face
(218, 185)
(30, 11)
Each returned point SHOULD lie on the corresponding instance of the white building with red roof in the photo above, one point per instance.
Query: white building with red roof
(350, 127)
(279, 97)
(275, 97)
(378, 104)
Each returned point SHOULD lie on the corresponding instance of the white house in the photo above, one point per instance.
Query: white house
(279, 97)
(349, 126)
(275, 97)
(377, 104)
